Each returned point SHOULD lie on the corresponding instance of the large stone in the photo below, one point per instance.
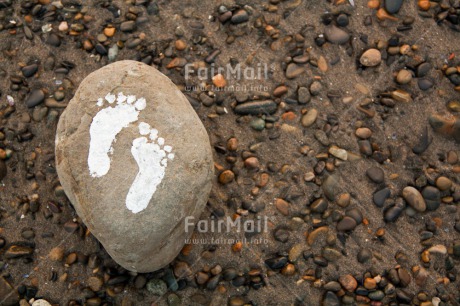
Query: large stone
(135, 161)
(414, 198)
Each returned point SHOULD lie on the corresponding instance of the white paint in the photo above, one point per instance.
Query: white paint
(149, 152)
(107, 123)
(152, 160)
(144, 128)
(110, 98)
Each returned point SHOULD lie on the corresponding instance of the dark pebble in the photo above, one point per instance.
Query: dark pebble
(256, 108)
(140, 281)
(132, 43)
(392, 213)
(128, 26)
(423, 69)
(377, 295)
(36, 97)
(375, 174)
(403, 296)
(425, 84)
(171, 280)
(275, 263)
(101, 49)
(342, 20)
(28, 234)
(454, 79)
(319, 205)
(53, 40)
(355, 214)
(330, 299)
(393, 6)
(240, 16)
(213, 282)
(432, 197)
(346, 224)
(281, 235)
(30, 70)
(229, 274)
(380, 196)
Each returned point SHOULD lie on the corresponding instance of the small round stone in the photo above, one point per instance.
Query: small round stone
(375, 174)
(371, 58)
(226, 177)
(443, 183)
(404, 76)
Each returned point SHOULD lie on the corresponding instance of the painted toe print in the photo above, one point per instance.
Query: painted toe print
(107, 123)
(152, 155)
(149, 151)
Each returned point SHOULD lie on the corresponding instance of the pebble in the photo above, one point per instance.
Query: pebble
(293, 70)
(316, 88)
(109, 31)
(338, 152)
(344, 200)
(174, 300)
(423, 69)
(256, 108)
(381, 196)
(95, 283)
(282, 206)
(16, 251)
(443, 183)
(258, 124)
(363, 133)
(156, 287)
(342, 20)
(330, 299)
(336, 35)
(226, 177)
(128, 26)
(348, 282)
(414, 198)
(375, 174)
(41, 302)
(303, 95)
(240, 16)
(35, 97)
(393, 6)
(319, 205)
(330, 187)
(29, 70)
(276, 263)
(424, 83)
(309, 118)
(404, 77)
(371, 58)
(346, 224)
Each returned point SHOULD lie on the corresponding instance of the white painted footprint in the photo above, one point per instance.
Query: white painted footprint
(152, 157)
(105, 126)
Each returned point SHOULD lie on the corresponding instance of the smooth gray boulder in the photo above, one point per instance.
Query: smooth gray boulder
(135, 160)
